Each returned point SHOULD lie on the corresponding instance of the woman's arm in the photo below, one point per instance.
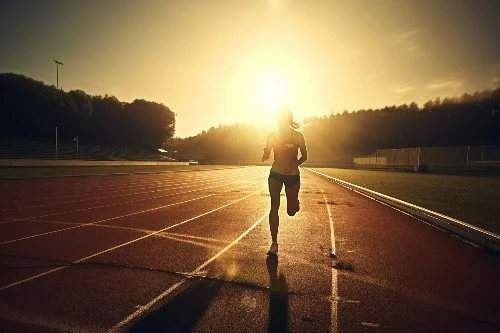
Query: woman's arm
(301, 142)
(267, 150)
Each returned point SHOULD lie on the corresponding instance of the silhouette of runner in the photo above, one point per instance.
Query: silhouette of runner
(285, 143)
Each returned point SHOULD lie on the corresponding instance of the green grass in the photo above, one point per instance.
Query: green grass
(471, 199)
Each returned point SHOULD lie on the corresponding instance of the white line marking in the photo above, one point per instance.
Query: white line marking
(333, 250)
(80, 190)
(206, 239)
(192, 242)
(95, 198)
(178, 284)
(169, 235)
(118, 203)
(364, 323)
(157, 186)
(115, 217)
(351, 301)
(335, 302)
(126, 243)
(471, 233)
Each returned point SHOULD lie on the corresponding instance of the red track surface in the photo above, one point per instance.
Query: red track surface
(187, 251)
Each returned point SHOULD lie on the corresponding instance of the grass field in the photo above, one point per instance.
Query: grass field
(471, 199)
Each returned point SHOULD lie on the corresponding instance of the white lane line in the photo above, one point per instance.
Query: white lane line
(125, 189)
(192, 242)
(123, 182)
(119, 216)
(117, 186)
(95, 198)
(170, 235)
(333, 251)
(74, 190)
(335, 302)
(91, 189)
(195, 272)
(470, 234)
(127, 243)
(119, 203)
(121, 187)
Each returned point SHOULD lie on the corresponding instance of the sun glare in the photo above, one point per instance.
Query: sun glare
(272, 91)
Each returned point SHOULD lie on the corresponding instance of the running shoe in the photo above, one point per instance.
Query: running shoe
(273, 250)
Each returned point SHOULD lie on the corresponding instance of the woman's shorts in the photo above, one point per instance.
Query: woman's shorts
(288, 180)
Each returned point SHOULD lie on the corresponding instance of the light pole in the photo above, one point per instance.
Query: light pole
(76, 140)
(57, 88)
(57, 71)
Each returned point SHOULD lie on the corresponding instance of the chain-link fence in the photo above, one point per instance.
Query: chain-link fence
(467, 157)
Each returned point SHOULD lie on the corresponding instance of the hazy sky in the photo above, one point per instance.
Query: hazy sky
(224, 61)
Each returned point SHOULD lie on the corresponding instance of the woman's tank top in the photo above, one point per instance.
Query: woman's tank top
(285, 153)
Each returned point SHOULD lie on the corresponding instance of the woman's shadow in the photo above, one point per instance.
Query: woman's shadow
(278, 297)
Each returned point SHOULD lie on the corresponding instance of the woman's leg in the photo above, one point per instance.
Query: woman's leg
(274, 220)
(292, 196)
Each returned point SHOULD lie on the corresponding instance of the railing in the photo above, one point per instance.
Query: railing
(481, 237)
(66, 163)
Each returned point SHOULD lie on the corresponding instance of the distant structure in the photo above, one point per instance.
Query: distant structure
(466, 158)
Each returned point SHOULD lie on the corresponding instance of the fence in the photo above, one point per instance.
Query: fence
(75, 163)
(11, 149)
(486, 158)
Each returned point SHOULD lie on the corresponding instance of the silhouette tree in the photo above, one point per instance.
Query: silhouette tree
(29, 108)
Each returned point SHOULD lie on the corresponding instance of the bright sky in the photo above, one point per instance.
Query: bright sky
(225, 61)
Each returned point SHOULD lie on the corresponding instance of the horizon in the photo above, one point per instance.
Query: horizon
(272, 124)
(242, 60)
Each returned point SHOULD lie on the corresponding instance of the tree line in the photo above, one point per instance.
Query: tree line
(471, 119)
(30, 108)
(223, 144)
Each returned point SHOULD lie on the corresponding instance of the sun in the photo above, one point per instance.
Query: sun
(271, 91)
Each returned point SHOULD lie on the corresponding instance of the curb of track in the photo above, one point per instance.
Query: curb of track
(483, 238)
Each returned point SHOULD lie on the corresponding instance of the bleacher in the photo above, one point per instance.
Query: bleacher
(46, 150)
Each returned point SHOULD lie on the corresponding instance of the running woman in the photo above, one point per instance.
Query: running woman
(285, 169)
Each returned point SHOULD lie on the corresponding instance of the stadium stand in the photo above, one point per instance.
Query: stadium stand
(46, 150)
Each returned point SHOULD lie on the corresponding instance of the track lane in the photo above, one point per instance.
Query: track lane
(95, 196)
(64, 188)
(393, 273)
(24, 212)
(164, 245)
(104, 212)
(291, 292)
(57, 246)
(397, 273)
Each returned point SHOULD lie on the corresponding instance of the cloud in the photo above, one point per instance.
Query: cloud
(409, 41)
(443, 84)
(494, 81)
(404, 90)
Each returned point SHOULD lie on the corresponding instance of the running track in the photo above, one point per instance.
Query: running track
(185, 251)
